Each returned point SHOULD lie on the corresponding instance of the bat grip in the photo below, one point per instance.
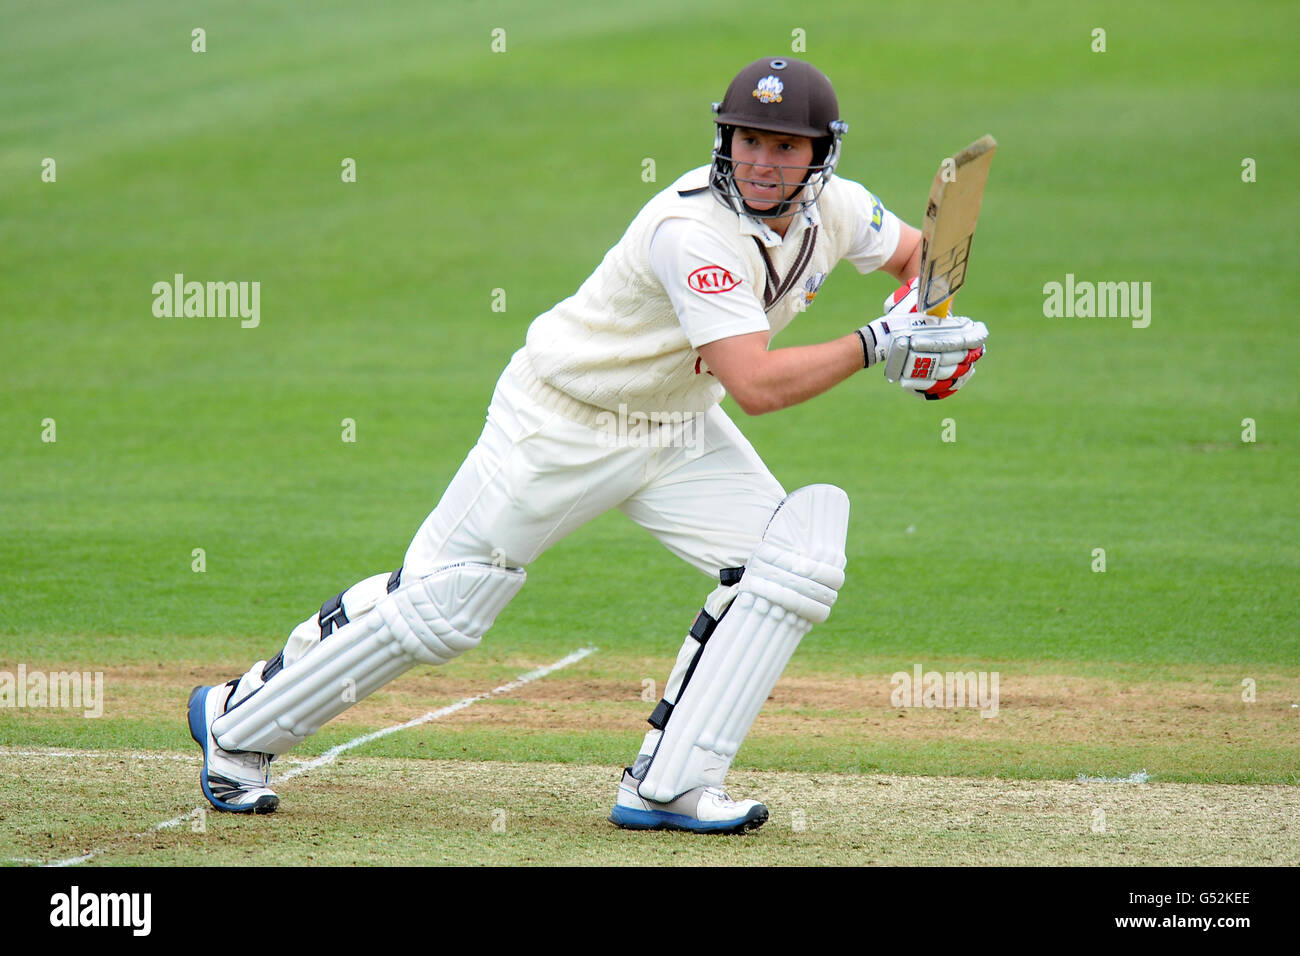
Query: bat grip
(943, 309)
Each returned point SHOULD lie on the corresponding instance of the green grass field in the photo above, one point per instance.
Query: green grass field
(479, 171)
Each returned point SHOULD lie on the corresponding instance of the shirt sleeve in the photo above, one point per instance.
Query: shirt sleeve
(877, 235)
(704, 278)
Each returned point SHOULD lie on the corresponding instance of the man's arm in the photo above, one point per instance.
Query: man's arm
(906, 260)
(762, 381)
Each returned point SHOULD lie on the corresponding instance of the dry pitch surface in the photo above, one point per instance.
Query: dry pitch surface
(121, 808)
(127, 807)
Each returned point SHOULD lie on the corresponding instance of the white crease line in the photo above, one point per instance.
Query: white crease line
(330, 755)
(1140, 777)
(333, 752)
(77, 754)
(189, 758)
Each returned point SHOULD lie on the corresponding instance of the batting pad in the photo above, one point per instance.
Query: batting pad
(789, 585)
(429, 620)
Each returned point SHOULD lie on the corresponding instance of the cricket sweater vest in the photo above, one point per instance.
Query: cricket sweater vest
(617, 341)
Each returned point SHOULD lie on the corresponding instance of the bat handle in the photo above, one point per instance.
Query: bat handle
(941, 310)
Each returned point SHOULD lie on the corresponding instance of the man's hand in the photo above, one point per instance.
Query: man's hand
(932, 361)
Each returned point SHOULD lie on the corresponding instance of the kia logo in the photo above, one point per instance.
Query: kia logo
(712, 279)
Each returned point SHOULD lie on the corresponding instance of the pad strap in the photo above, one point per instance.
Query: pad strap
(332, 615)
(704, 626)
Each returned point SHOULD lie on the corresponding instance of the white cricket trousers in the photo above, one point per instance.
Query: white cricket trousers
(535, 475)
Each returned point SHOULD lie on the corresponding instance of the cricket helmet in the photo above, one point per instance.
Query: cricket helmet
(778, 95)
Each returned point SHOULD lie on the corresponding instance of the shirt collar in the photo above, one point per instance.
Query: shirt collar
(750, 226)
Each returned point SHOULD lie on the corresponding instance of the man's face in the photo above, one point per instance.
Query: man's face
(769, 167)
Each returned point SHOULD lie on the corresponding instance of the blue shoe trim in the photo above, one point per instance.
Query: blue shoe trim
(633, 819)
(198, 720)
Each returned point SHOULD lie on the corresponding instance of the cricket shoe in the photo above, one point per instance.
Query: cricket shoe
(702, 810)
(233, 782)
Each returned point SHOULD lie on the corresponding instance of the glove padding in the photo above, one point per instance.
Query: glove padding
(929, 360)
(934, 361)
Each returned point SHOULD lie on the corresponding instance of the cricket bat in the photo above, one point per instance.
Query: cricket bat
(949, 227)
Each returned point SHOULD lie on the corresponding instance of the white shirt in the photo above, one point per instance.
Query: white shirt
(689, 271)
(681, 248)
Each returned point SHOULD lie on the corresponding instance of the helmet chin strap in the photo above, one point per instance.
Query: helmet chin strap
(785, 207)
(780, 211)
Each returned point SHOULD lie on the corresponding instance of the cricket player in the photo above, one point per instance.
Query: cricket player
(612, 402)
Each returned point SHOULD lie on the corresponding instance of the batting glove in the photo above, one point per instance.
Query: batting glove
(900, 313)
(931, 361)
